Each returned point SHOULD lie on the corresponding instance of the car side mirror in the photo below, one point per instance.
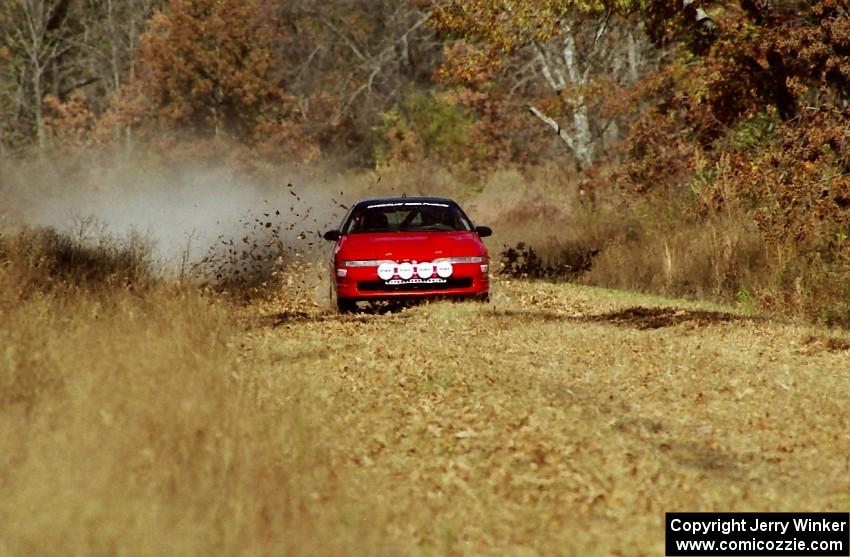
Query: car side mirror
(331, 235)
(484, 231)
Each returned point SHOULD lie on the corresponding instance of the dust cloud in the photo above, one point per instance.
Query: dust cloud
(185, 210)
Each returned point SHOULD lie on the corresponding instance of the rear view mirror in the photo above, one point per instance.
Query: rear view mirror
(331, 235)
(484, 231)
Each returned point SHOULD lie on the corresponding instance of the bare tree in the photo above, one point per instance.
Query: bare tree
(361, 54)
(109, 46)
(110, 38)
(59, 46)
(586, 53)
(34, 32)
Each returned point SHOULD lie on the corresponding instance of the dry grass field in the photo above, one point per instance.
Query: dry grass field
(557, 420)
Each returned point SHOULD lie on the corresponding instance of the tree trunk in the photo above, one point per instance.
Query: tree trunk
(583, 137)
(38, 102)
(634, 58)
(114, 56)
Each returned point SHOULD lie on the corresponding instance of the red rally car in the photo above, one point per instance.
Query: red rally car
(407, 247)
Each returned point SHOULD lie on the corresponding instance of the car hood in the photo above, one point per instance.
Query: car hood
(408, 246)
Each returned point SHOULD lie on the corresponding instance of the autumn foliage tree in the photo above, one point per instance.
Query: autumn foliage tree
(751, 117)
(205, 66)
(556, 59)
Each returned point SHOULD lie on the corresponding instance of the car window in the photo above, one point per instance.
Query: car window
(406, 217)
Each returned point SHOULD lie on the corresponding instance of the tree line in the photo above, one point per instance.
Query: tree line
(359, 79)
(371, 81)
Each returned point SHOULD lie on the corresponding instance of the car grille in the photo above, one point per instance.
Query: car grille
(381, 286)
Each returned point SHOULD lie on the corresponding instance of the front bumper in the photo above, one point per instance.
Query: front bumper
(467, 280)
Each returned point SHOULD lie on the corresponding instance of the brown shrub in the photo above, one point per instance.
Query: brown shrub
(716, 259)
(42, 259)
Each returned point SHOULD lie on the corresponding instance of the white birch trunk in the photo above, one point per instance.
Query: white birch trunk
(582, 136)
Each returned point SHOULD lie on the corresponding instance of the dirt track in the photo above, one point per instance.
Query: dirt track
(567, 420)
(558, 420)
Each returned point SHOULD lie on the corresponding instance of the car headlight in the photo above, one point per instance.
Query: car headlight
(364, 263)
(457, 260)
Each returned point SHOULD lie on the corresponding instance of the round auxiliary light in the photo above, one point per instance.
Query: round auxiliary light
(425, 270)
(386, 271)
(405, 271)
(444, 269)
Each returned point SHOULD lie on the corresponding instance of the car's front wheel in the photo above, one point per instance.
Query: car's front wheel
(345, 306)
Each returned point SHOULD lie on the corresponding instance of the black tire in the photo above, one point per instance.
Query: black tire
(345, 306)
(342, 305)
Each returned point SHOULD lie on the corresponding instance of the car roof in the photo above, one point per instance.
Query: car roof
(409, 199)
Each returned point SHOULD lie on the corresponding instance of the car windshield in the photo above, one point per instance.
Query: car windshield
(412, 216)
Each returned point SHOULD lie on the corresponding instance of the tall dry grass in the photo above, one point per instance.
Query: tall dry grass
(132, 421)
(657, 244)
(714, 259)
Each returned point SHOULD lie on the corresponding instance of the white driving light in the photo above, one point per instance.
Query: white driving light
(425, 270)
(444, 269)
(386, 271)
(405, 271)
